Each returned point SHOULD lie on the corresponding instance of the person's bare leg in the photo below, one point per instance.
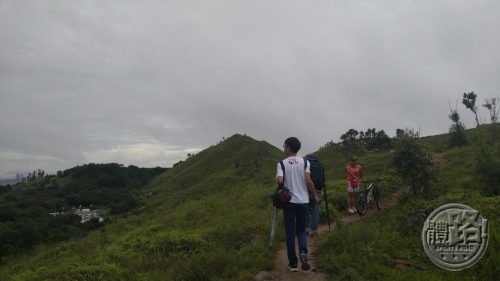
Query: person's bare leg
(351, 201)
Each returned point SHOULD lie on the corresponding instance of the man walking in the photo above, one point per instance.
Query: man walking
(294, 173)
(317, 172)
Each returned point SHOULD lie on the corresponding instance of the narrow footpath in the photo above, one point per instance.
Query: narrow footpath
(281, 272)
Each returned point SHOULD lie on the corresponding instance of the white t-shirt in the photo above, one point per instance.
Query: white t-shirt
(295, 179)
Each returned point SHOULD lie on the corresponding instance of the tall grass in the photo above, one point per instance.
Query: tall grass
(219, 237)
(369, 249)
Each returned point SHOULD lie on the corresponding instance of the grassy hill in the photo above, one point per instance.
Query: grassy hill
(225, 167)
(208, 218)
(25, 208)
(370, 249)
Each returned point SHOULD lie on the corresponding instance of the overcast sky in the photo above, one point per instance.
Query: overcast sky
(146, 82)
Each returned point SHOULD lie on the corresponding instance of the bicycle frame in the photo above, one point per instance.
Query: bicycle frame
(369, 194)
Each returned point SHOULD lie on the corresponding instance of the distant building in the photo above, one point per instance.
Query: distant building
(87, 214)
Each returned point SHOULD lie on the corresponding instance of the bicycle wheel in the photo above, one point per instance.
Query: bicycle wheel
(362, 205)
(376, 197)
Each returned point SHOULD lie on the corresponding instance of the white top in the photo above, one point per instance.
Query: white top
(295, 179)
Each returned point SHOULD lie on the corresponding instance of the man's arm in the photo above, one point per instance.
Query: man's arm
(310, 186)
(279, 175)
(279, 180)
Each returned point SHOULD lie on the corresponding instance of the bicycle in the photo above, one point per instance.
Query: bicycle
(369, 194)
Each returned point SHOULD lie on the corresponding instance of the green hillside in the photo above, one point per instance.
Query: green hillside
(395, 235)
(225, 167)
(26, 208)
(208, 218)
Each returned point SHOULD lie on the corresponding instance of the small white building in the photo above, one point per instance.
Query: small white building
(88, 214)
(85, 214)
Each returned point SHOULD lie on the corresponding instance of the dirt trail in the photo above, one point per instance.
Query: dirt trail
(281, 272)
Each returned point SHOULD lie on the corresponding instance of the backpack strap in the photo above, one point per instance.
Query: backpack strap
(283, 168)
(322, 168)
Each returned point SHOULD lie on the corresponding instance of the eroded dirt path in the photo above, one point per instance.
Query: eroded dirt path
(281, 272)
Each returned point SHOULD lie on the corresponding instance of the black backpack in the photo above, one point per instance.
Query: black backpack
(317, 174)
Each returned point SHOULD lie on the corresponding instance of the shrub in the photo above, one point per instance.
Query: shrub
(413, 163)
(457, 135)
(488, 171)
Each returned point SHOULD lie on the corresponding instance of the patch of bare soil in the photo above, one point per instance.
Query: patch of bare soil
(281, 272)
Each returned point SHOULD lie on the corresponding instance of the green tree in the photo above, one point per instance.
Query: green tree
(381, 140)
(457, 129)
(413, 164)
(399, 133)
(349, 138)
(493, 109)
(469, 100)
(373, 139)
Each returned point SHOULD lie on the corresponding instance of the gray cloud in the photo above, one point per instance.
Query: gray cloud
(146, 82)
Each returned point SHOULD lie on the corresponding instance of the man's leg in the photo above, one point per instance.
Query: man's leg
(289, 212)
(350, 199)
(355, 196)
(310, 213)
(301, 226)
(352, 206)
(315, 216)
(301, 234)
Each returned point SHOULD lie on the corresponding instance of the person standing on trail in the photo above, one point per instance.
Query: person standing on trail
(318, 178)
(354, 175)
(295, 175)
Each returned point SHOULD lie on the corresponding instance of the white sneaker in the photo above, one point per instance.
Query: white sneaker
(352, 211)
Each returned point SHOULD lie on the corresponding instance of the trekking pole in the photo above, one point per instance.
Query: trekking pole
(273, 227)
(326, 207)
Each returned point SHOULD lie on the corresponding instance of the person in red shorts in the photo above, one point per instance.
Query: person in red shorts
(354, 174)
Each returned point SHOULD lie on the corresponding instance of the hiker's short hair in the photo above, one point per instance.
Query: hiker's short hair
(293, 143)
